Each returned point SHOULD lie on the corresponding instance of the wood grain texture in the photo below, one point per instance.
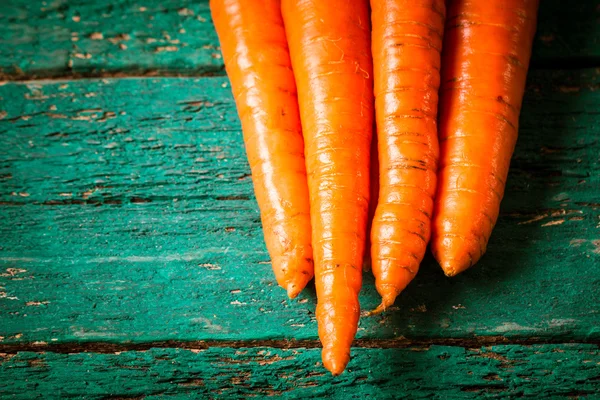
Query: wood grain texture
(81, 38)
(568, 35)
(436, 372)
(127, 214)
(127, 219)
(77, 37)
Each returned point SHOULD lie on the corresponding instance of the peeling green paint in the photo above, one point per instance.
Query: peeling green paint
(437, 372)
(128, 215)
(76, 37)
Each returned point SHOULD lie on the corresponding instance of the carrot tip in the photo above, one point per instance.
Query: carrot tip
(293, 290)
(386, 302)
(452, 268)
(449, 271)
(456, 254)
(335, 362)
(380, 308)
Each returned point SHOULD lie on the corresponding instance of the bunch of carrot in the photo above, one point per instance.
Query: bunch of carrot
(442, 80)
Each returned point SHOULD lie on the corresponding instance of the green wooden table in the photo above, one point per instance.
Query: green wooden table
(131, 256)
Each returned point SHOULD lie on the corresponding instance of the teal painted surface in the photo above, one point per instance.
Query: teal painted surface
(77, 37)
(437, 372)
(127, 214)
(568, 34)
(71, 37)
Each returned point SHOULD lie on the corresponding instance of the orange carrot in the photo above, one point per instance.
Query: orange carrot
(330, 49)
(257, 59)
(487, 47)
(407, 41)
(373, 198)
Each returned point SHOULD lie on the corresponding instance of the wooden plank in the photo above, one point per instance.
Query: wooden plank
(127, 214)
(76, 37)
(441, 372)
(568, 35)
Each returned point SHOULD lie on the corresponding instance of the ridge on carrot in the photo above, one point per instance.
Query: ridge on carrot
(406, 43)
(265, 94)
(373, 197)
(329, 45)
(487, 47)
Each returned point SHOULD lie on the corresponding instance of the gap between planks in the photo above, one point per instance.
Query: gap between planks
(559, 63)
(399, 343)
(69, 76)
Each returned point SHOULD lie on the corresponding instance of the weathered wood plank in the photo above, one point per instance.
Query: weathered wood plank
(127, 214)
(72, 37)
(439, 372)
(78, 37)
(568, 34)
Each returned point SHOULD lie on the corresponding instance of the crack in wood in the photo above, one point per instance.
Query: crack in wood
(58, 75)
(66, 75)
(399, 343)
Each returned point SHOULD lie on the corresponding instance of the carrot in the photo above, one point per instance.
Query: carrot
(330, 49)
(486, 55)
(373, 198)
(257, 60)
(407, 41)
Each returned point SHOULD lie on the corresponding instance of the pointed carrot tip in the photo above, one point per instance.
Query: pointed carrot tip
(293, 290)
(456, 254)
(387, 300)
(447, 267)
(449, 271)
(388, 293)
(453, 267)
(297, 284)
(380, 308)
(293, 272)
(335, 361)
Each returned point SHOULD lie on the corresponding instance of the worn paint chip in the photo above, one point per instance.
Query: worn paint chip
(185, 12)
(577, 242)
(552, 223)
(596, 244)
(166, 48)
(36, 303)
